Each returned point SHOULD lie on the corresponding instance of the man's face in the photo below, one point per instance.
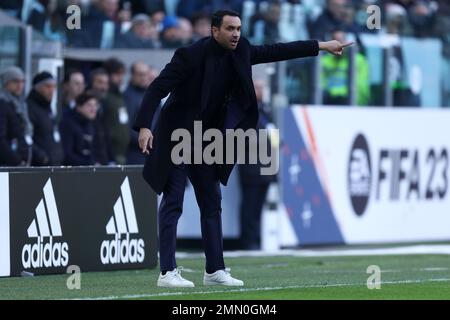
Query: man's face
(109, 7)
(15, 87)
(140, 75)
(46, 90)
(142, 30)
(229, 33)
(89, 109)
(100, 84)
(117, 78)
(76, 84)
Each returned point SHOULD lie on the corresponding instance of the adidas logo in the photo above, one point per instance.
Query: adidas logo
(45, 253)
(123, 222)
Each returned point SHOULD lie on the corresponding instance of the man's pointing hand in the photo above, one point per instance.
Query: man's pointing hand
(334, 47)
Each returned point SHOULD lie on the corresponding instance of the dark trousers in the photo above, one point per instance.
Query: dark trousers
(207, 192)
(253, 198)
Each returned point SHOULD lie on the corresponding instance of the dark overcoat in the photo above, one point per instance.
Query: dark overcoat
(188, 78)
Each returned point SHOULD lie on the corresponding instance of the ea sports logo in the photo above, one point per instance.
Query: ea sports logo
(359, 175)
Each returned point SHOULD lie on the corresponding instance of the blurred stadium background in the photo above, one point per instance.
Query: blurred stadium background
(364, 145)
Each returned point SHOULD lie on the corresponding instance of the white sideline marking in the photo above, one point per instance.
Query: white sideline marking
(401, 250)
(179, 293)
(434, 269)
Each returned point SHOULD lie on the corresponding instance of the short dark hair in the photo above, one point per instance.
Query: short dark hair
(114, 65)
(217, 17)
(83, 98)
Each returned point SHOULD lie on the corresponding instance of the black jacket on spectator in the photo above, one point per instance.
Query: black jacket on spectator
(103, 139)
(116, 121)
(47, 149)
(13, 148)
(78, 139)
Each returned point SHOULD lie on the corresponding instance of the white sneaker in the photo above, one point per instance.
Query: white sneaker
(222, 277)
(173, 279)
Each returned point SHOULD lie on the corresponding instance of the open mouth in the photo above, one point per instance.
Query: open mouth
(234, 42)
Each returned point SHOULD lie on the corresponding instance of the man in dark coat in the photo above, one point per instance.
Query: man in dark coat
(141, 76)
(115, 114)
(78, 132)
(209, 81)
(15, 126)
(47, 148)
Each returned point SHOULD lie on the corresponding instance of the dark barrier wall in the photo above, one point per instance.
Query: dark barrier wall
(96, 218)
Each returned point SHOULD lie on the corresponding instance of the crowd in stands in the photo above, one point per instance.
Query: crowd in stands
(93, 125)
(94, 122)
(173, 23)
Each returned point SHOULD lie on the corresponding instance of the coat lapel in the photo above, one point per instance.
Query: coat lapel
(207, 77)
(244, 76)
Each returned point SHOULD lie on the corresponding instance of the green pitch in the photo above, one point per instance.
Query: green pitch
(402, 277)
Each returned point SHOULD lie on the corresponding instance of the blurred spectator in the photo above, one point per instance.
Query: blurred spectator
(176, 32)
(335, 76)
(157, 19)
(37, 14)
(99, 27)
(78, 132)
(185, 31)
(422, 17)
(396, 20)
(116, 117)
(99, 87)
(146, 6)
(15, 127)
(125, 12)
(264, 27)
(254, 186)
(188, 8)
(397, 23)
(141, 77)
(100, 82)
(442, 26)
(337, 14)
(201, 24)
(142, 34)
(73, 86)
(47, 150)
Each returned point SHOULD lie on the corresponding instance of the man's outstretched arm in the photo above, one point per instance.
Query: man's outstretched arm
(293, 50)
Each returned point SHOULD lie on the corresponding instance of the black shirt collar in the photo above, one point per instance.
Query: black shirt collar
(217, 49)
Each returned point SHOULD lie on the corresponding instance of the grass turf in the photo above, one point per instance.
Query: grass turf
(280, 278)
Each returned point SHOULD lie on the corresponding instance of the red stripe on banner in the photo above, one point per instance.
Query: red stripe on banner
(318, 163)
